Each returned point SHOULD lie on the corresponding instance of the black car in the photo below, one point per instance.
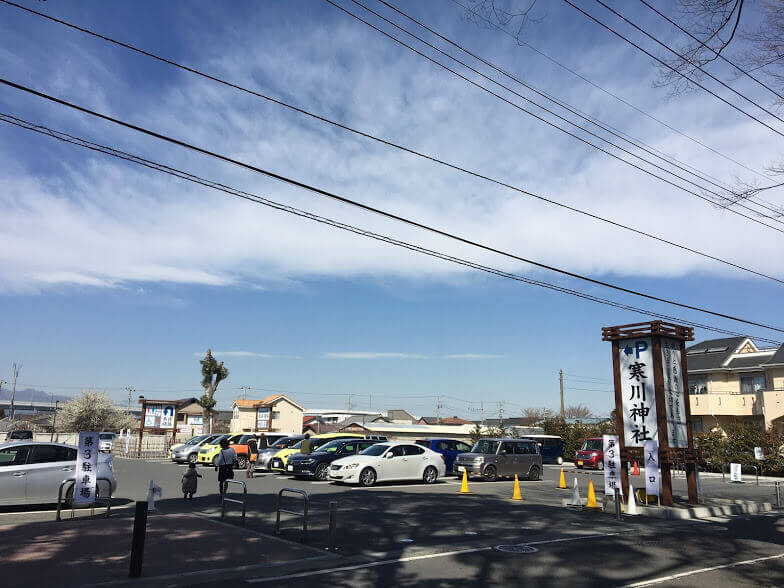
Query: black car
(317, 463)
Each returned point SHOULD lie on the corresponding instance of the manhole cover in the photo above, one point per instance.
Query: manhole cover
(516, 548)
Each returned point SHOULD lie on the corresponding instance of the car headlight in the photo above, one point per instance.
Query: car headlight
(351, 466)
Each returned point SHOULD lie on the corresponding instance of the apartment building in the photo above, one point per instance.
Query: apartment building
(733, 381)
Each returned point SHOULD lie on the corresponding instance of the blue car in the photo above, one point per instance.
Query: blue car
(550, 446)
(449, 448)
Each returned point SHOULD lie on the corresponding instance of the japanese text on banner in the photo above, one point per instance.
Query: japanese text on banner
(674, 399)
(651, 461)
(612, 465)
(637, 389)
(86, 468)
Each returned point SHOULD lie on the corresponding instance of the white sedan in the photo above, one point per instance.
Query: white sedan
(389, 461)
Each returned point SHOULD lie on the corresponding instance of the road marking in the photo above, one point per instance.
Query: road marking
(412, 485)
(701, 571)
(386, 562)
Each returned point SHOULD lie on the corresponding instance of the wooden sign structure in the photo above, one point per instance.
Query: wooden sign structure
(651, 400)
(155, 426)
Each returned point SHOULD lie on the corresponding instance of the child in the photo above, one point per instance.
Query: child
(189, 481)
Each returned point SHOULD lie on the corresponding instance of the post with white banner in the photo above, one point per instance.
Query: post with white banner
(649, 369)
(651, 452)
(86, 468)
(612, 465)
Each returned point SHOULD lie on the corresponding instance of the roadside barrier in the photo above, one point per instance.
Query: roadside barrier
(777, 484)
(591, 503)
(303, 514)
(464, 486)
(631, 504)
(224, 500)
(562, 482)
(137, 541)
(517, 495)
(92, 507)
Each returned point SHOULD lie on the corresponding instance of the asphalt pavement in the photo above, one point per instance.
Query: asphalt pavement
(429, 535)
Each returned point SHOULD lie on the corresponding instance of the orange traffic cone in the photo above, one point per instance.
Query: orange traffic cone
(636, 471)
(517, 495)
(562, 483)
(591, 504)
(464, 486)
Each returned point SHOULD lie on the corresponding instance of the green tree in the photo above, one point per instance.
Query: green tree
(92, 411)
(476, 433)
(212, 374)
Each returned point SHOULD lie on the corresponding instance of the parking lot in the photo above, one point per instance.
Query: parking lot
(405, 534)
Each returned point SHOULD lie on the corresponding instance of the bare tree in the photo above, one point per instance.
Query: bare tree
(501, 14)
(538, 413)
(578, 411)
(212, 374)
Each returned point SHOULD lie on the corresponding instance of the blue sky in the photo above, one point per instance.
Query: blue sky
(113, 276)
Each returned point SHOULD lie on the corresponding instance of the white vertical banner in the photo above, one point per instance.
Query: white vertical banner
(86, 468)
(651, 461)
(127, 440)
(674, 398)
(612, 465)
(735, 473)
(637, 391)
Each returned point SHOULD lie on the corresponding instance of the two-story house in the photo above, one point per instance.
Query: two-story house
(275, 413)
(733, 381)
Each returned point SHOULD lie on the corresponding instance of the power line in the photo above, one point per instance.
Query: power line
(325, 220)
(563, 130)
(664, 63)
(604, 90)
(431, 158)
(635, 142)
(683, 57)
(718, 53)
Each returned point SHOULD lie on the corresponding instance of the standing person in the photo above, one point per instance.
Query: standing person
(263, 443)
(190, 481)
(305, 445)
(224, 464)
(253, 454)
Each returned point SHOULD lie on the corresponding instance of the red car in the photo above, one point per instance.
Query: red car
(591, 454)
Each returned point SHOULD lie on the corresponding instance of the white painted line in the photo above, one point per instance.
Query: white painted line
(384, 562)
(672, 577)
(387, 562)
(412, 485)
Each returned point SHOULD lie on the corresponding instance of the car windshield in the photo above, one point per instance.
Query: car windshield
(485, 446)
(283, 443)
(106, 436)
(194, 440)
(207, 440)
(332, 446)
(21, 435)
(375, 449)
(592, 445)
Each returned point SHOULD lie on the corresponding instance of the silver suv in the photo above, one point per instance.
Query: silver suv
(501, 458)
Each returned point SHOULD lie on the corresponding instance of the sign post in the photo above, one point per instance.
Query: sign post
(649, 369)
(86, 468)
(612, 465)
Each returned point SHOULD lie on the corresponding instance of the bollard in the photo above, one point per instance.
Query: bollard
(618, 504)
(333, 512)
(137, 542)
(778, 494)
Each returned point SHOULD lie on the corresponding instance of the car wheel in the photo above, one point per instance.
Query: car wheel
(600, 466)
(533, 473)
(242, 462)
(559, 461)
(430, 475)
(491, 474)
(192, 458)
(321, 472)
(367, 477)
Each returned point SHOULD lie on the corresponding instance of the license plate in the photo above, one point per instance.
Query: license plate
(460, 468)
(290, 468)
(579, 463)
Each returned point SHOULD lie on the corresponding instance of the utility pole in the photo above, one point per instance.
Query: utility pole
(16, 368)
(130, 391)
(54, 419)
(482, 410)
(501, 416)
(244, 392)
(560, 381)
(1, 388)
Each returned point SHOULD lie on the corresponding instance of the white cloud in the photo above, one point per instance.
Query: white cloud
(473, 356)
(373, 355)
(100, 223)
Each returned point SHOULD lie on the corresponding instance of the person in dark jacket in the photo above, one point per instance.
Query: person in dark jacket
(253, 454)
(305, 446)
(190, 481)
(263, 443)
(224, 463)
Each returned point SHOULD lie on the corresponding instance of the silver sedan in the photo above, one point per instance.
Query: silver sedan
(31, 473)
